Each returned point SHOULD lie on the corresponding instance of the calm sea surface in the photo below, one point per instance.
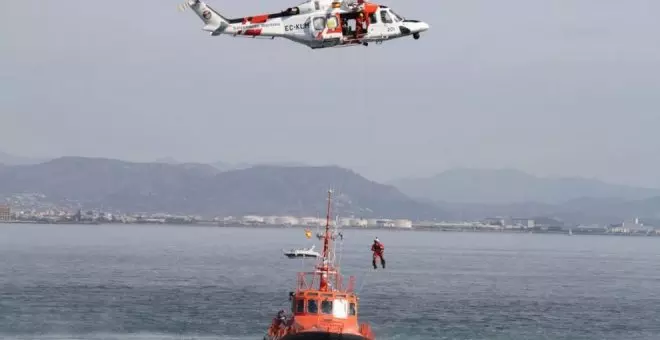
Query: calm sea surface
(178, 282)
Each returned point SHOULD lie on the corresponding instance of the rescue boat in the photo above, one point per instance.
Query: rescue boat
(322, 307)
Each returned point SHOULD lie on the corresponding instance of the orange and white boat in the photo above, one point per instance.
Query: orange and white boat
(321, 306)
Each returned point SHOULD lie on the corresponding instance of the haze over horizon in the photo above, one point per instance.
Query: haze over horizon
(559, 88)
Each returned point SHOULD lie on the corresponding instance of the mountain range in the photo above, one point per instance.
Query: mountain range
(191, 188)
(506, 186)
(218, 189)
(478, 193)
(10, 159)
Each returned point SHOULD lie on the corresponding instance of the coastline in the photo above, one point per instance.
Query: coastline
(411, 229)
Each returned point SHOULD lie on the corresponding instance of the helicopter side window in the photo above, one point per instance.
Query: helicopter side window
(373, 18)
(385, 17)
(351, 309)
(326, 307)
(319, 23)
(332, 22)
(312, 306)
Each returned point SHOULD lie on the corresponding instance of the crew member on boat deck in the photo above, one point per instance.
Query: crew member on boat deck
(378, 248)
(280, 319)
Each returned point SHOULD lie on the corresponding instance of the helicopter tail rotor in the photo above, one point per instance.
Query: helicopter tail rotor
(184, 6)
(213, 21)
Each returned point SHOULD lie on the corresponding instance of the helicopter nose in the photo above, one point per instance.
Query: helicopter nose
(423, 27)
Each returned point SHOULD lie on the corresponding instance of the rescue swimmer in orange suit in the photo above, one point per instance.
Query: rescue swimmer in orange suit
(378, 248)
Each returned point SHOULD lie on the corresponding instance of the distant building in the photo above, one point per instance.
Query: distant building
(498, 221)
(524, 222)
(286, 220)
(632, 226)
(546, 223)
(353, 222)
(401, 223)
(5, 213)
(253, 219)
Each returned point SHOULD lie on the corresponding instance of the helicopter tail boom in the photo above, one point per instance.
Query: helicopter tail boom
(214, 22)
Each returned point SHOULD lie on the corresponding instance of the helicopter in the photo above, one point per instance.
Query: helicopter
(315, 23)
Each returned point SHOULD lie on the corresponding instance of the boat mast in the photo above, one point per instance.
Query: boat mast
(326, 265)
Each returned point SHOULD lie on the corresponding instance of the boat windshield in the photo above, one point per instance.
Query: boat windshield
(326, 307)
(312, 307)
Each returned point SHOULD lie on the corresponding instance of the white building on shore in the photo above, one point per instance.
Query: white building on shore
(407, 224)
(319, 222)
(253, 219)
(312, 221)
(389, 223)
(286, 220)
(353, 222)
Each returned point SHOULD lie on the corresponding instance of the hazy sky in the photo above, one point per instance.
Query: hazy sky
(561, 87)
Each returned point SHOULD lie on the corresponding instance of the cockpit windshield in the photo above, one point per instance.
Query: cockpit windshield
(397, 17)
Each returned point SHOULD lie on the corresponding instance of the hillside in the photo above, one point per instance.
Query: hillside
(204, 189)
(512, 186)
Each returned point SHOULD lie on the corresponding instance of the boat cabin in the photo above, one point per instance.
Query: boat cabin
(321, 303)
(326, 303)
(331, 304)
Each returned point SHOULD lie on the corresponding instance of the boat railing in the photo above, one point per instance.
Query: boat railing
(308, 281)
(304, 283)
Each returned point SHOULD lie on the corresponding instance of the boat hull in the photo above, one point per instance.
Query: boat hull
(324, 336)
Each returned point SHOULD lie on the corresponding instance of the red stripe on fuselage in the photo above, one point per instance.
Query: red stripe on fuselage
(258, 19)
(253, 31)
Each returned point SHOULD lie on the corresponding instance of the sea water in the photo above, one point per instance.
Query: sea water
(192, 282)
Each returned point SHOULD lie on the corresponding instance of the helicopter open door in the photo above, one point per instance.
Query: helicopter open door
(354, 25)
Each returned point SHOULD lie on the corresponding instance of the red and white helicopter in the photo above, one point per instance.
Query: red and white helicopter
(315, 23)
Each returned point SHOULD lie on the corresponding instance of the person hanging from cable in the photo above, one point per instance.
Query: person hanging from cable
(378, 248)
